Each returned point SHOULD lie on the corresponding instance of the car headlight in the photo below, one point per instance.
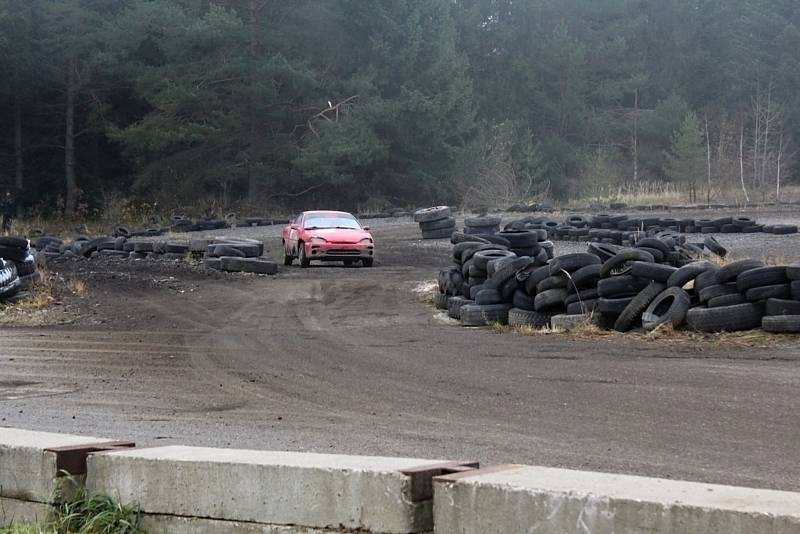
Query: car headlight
(366, 241)
(317, 240)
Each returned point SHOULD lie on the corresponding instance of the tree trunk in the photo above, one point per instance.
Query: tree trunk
(636, 137)
(778, 178)
(741, 162)
(708, 161)
(69, 138)
(252, 181)
(18, 159)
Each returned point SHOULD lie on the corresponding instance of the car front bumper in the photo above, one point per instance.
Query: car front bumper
(339, 251)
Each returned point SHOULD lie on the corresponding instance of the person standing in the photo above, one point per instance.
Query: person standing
(8, 207)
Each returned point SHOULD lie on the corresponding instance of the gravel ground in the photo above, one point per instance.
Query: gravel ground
(354, 360)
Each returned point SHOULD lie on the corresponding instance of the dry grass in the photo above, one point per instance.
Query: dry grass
(43, 303)
(663, 335)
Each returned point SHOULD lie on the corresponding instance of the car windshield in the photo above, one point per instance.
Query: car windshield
(323, 221)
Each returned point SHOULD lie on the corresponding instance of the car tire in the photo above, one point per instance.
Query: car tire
(367, 262)
(728, 318)
(302, 258)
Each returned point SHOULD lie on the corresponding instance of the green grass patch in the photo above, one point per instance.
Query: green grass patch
(80, 513)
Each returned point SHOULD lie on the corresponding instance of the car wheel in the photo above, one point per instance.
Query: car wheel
(287, 258)
(367, 262)
(301, 255)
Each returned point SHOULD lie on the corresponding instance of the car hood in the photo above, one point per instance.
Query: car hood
(339, 235)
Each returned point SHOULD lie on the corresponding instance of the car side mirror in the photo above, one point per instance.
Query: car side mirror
(365, 228)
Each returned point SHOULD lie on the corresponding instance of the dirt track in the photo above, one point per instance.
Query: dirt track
(352, 360)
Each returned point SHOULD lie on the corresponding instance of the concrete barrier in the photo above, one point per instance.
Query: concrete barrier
(302, 492)
(29, 466)
(556, 501)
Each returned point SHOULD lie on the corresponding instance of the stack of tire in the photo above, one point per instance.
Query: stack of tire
(488, 277)
(237, 255)
(17, 251)
(221, 253)
(482, 225)
(436, 222)
(18, 269)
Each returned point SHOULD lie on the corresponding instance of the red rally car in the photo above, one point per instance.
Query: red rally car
(327, 236)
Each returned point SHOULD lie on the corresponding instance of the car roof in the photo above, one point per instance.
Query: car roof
(307, 213)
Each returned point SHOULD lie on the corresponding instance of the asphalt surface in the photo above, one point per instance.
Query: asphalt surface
(356, 361)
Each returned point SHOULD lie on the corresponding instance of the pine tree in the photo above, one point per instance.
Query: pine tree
(686, 156)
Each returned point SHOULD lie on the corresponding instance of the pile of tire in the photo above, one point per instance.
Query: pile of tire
(220, 253)
(18, 270)
(436, 222)
(655, 283)
(182, 224)
(622, 229)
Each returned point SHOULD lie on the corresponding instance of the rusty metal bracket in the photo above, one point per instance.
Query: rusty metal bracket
(72, 459)
(422, 476)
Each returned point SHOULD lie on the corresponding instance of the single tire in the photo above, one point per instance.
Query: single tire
(743, 222)
(670, 307)
(729, 273)
(520, 317)
(613, 306)
(441, 224)
(782, 307)
(618, 263)
(304, 261)
(781, 324)
(655, 272)
(569, 322)
(762, 276)
(585, 277)
(619, 286)
(488, 296)
(536, 276)
(432, 214)
(483, 257)
(440, 301)
(632, 314)
(550, 299)
(582, 307)
(714, 246)
(460, 237)
(784, 229)
(778, 291)
(652, 242)
(706, 279)
(573, 262)
(718, 290)
(474, 315)
(725, 319)
(552, 282)
(454, 306)
(484, 221)
(688, 273)
(522, 301)
(726, 300)
(443, 233)
(248, 265)
(520, 238)
(219, 251)
(604, 251)
(14, 242)
(585, 294)
(793, 271)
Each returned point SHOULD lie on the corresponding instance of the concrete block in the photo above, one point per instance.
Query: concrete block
(274, 488)
(556, 501)
(14, 511)
(27, 470)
